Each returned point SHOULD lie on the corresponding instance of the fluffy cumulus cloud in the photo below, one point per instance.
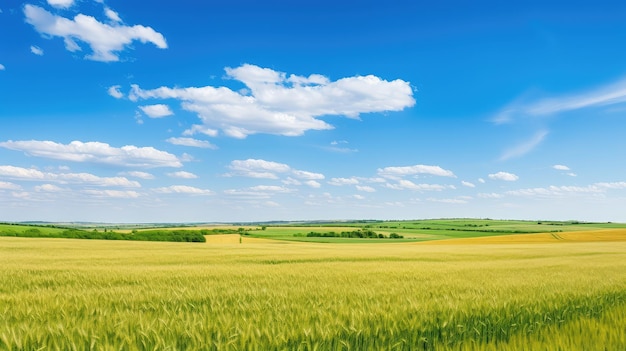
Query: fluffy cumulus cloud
(8, 186)
(112, 15)
(182, 174)
(281, 104)
(254, 168)
(30, 174)
(468, 184)
(183, 189)
(343, 181)
(115, 92)
(191, 142)
(156, 111)
(404, 184)
(561, 167)
(61, 3)
(96, 152)
(104, 40)
(116, 194)
(365, 188)
(48, 188)
(399, 172)
(509, 177)
(36, 50)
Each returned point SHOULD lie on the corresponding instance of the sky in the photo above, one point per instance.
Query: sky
(242, 111)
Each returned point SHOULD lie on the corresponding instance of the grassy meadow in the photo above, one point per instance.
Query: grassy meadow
(263, 294)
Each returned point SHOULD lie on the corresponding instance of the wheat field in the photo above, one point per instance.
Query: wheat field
(65, 294)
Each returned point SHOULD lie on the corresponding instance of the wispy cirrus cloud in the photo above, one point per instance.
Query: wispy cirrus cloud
(106, 40)
(610, 94)
(96, 152)
(562, 191)
(525, 147)
(281, 104)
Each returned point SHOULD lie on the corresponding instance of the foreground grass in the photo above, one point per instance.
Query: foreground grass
(107, 295)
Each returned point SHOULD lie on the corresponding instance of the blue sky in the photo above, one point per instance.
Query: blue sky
(124, 111)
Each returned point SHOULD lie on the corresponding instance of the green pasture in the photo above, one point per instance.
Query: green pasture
(68, 294)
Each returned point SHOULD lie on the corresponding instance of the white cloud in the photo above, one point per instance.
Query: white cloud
(138, 174)
(365, 188)
(20, 173)
(9, 186)
(182, 189)
(404, 184)
(105, 40)
(480, 180)
(358, 197)
(284, 106)
(509, 177)
(182, 174)
(119, 194)
(561, 167)
(335, 147)
(607, 95)
(524, 147)
(271, 189)
(2, 68)
(115, 92)
(307, 175)
(48, 188)
(191, 142)
(156, 111)
(96, 152)
(343, 181)
(291, 181)
(455, 201)
(36, 50)
(561, 191)
(313, 184)
(112, 15)
(61, 3)
(257, 168)
(254, 168)
(490, 195)
(196, 128)
(397, 172)
(468, 184)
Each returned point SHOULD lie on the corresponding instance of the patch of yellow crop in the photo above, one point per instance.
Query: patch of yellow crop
(541, 238)
(234, 239)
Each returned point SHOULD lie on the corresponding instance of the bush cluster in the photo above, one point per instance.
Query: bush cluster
(148, 235)
(360, 233)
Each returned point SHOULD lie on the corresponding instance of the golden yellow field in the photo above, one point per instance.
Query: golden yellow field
(68, 294)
